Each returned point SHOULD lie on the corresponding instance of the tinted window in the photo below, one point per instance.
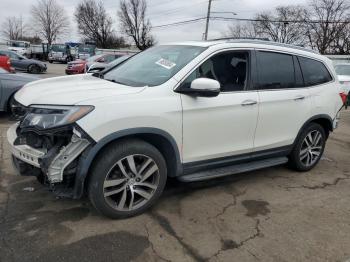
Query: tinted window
(314, 72)
(275, 70)
(230, 69)
(12, 55)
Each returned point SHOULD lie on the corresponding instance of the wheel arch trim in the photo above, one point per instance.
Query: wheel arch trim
(313, 119)
(86, 162)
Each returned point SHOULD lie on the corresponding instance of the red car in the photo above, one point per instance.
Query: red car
(5, 63)
(81, 66)
(76, 67)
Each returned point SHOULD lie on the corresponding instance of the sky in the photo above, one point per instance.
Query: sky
(163, 12)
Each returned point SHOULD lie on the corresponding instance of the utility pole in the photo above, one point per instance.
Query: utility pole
(208, 18)
(21, 28)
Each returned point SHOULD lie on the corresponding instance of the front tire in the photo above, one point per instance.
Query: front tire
(34, 69)
(127, 178)
(309, 148)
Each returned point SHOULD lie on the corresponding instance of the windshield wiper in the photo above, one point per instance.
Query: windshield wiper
(97, 74)
(114, 81)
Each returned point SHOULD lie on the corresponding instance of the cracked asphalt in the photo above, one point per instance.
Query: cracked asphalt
(273, 214)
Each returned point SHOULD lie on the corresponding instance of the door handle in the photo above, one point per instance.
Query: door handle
(301, 97)
(249, 103)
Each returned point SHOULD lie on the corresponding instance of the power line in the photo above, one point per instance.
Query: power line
(279, 21)
(180, 22)
(184, 22)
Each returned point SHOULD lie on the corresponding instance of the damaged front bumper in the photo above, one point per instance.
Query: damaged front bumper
(25, 153)
(56, 165)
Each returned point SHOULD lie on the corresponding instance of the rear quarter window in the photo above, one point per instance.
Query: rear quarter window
(314, 72)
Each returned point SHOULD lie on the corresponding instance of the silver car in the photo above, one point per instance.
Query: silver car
(9, 85)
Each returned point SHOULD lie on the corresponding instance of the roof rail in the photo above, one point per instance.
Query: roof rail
(240, 38)
(265, 41)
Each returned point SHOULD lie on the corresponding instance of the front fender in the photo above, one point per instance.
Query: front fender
(88, 157)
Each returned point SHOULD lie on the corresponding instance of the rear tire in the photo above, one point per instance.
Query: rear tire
(309, 148)
(127, 178)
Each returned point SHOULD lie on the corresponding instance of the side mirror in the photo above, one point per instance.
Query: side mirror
(203, 87)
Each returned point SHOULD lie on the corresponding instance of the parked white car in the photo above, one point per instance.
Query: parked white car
(194, 110)
(343, 72)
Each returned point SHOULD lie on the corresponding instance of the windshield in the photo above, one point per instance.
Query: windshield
(21, 56)
(118, 61)
(58, 48)
(343, 70)
(154, 66)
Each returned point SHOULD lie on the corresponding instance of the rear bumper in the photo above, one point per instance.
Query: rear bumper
(58, 59)
(74, 71)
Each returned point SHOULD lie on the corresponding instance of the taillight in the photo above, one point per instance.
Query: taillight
(344, 97)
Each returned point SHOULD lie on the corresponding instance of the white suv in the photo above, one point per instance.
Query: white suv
(194, 110)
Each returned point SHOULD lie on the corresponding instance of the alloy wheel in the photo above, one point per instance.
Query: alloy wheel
(311, 148)
(131, 182)
(34, 69)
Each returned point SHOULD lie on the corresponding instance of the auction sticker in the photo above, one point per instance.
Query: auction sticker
(165, 63)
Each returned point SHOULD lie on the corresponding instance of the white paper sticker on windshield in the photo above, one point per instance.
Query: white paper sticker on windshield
(165, 63)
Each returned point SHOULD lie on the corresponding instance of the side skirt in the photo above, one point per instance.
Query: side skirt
(233, 169)
(194, 167)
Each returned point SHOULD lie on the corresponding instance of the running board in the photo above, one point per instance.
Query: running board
(234, 169)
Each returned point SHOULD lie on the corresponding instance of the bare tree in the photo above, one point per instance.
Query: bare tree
(95, 24)
(341, 45)
(134, 23)
(332, 18)
(49, 20)
(274, 25)
(277, 25)
(12, 28)
(242, 30)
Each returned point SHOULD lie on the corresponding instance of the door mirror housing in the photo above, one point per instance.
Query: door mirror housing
(205, 87)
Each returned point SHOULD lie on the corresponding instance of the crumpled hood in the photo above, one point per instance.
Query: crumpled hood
(70, 90)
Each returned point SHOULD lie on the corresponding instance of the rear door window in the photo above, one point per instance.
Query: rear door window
(275, 70)
(314, 72)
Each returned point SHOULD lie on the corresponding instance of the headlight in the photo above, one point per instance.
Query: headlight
(45, 116)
